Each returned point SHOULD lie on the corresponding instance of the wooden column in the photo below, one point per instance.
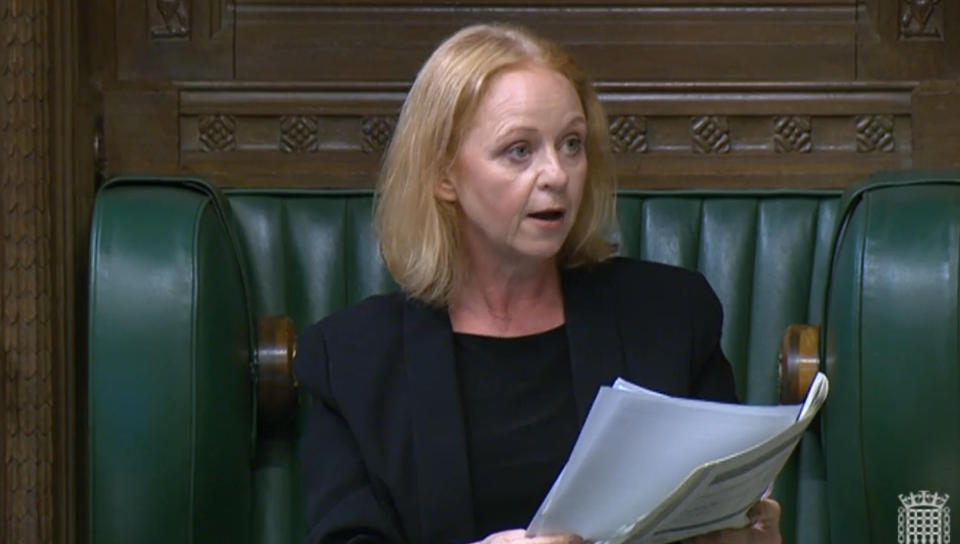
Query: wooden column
(37, 79)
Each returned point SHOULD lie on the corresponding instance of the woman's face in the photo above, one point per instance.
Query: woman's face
(521, 167)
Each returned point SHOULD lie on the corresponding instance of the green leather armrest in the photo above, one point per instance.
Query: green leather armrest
(170, 414)
(892, 424)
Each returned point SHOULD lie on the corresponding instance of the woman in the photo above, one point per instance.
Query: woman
(444, 413)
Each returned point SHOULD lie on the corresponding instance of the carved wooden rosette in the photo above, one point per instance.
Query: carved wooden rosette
(709, 134)
(792, 134)
(875, 133)
(218, 133)
(377, 131)
(26, 381)
(628, 134)
(298, 133)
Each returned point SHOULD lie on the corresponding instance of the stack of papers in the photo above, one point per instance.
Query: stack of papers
(650, 468)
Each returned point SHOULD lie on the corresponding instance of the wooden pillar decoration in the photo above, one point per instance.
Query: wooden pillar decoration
(27, 438)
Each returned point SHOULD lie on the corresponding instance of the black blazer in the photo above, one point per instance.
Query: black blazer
(384, 454)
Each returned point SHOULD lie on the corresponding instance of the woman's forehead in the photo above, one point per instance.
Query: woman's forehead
(527, 93)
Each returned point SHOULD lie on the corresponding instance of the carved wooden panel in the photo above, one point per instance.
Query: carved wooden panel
(721, 40)
(663, 135)
(306, 92)
(936, 107)
(908, 39)
(174, 39)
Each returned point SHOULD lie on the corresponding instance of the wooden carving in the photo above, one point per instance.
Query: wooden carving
(875, 133)
(377, 131)
(26, 301)
(660, 135)
(298, 134)
(170, 18)
(792, 134)
(628, 133)
(710, 134)
(218, 133)
(920, 19)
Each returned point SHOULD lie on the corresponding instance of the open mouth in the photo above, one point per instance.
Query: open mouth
(548, 215)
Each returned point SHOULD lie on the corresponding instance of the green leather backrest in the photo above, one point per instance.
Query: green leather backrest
(169, 376)
(308, 253)
(892, 424)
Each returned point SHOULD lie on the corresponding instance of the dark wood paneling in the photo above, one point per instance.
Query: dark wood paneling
(692, 89)
(277, 42)
(140, 131)
(936, 137)
(30, 365)
(665, 135)
(908, 39)
(174, 39)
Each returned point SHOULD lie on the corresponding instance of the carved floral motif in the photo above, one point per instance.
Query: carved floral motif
(710, 134)
(791, 134)
(218, 133)
(875, 133)
(298, 134)
(628, 133)
(377, 131)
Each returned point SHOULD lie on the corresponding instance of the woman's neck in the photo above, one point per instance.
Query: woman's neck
(507, 300)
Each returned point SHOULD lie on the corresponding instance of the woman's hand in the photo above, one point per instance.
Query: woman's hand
(520, 537)
(764, 528)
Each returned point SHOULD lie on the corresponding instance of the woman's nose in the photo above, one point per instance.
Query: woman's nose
(552, 174)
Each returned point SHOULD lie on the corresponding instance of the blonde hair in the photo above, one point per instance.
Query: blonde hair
(420, 233)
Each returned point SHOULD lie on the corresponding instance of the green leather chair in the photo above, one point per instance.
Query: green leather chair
(181, 273)
(892, 424)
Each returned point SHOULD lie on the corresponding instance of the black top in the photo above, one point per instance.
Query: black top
(520, 419)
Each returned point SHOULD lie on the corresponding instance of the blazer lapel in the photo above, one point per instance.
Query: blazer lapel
(440, 448)
(596, 355)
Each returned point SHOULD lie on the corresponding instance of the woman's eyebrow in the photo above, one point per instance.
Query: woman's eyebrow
(578, 120)
(509, 128)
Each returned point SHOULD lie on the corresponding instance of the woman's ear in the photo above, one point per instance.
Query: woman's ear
(444, 189)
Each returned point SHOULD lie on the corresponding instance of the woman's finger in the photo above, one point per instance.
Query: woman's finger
(765, 512)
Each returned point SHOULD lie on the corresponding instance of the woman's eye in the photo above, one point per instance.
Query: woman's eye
(518, 151)
(573, 145)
